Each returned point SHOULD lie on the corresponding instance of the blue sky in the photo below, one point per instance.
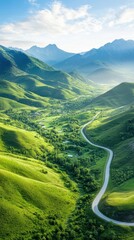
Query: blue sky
(74, 26)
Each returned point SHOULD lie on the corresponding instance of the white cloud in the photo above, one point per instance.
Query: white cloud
(55, 20)
(72, 29)
(60, 19)
(33, 2)
(124, 16)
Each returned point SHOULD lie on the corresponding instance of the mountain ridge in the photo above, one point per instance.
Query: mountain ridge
(118, 96)
(50, 54)
(35, 82)
(117, 57)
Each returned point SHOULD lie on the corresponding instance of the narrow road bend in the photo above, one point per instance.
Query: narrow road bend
(97, 199)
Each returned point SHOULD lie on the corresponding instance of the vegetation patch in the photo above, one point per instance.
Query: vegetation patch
(30, 194)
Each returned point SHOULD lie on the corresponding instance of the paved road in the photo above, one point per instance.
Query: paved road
(106, 180)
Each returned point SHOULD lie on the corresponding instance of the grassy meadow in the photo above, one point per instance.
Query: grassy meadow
(34, 198)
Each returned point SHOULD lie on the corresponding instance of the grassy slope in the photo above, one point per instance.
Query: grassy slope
(30, 192)
(121, 95)
(35, 80)
(99, 165)
(12, 91)
(20, 141)
(59, 121)
(6, 104)
(116, 132)
(13, 95)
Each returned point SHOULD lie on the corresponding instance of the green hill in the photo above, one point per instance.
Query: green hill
(13, 91)
(6, 104)
(33, 199)
(120, 95)
(117, 133)
(31, 82)
(29, 143)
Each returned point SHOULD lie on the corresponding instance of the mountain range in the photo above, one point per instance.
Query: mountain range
(111, 63)
(50, 54)
(29, 81)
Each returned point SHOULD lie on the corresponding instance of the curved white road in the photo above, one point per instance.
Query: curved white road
(106, 180)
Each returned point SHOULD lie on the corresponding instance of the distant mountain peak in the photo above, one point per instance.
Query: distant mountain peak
(109, 64)
(50, 54)
(119, 40)
(120, 43)
(49, 46)
(52, 45)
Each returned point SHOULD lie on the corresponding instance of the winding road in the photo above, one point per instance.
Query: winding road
(106, 180)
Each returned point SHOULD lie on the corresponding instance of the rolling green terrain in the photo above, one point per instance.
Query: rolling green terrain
(84, 164)
(21, 141)
(28, 81)
(121, 95)
(49, 175)
(33, 198)
(117, 132)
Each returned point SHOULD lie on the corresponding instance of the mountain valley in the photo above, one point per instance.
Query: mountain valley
(49, 174)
